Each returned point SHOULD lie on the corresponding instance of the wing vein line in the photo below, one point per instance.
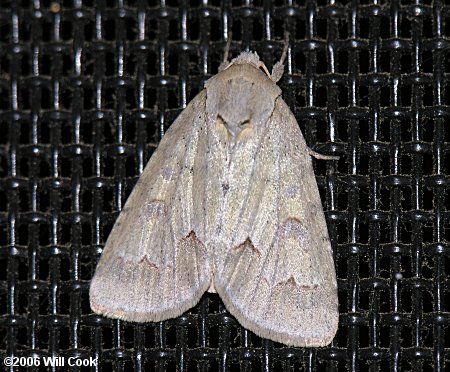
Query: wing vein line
(272, 243)
(189, 158)
(244, 203)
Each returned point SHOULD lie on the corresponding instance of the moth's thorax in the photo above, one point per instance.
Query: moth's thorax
(240, 97)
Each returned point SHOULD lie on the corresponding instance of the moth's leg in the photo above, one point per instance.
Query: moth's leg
(278, 68)
(321, 156)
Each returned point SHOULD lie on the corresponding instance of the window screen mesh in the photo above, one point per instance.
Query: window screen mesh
(87, 88)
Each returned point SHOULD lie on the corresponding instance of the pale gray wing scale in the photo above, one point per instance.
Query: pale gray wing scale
(276, 274)
(155, 265)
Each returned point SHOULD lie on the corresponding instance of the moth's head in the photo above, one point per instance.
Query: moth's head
(252, 59)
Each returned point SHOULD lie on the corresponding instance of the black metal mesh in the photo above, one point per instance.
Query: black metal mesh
(88, 87)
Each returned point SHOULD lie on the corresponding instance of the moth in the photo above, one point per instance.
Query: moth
(228, 204)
